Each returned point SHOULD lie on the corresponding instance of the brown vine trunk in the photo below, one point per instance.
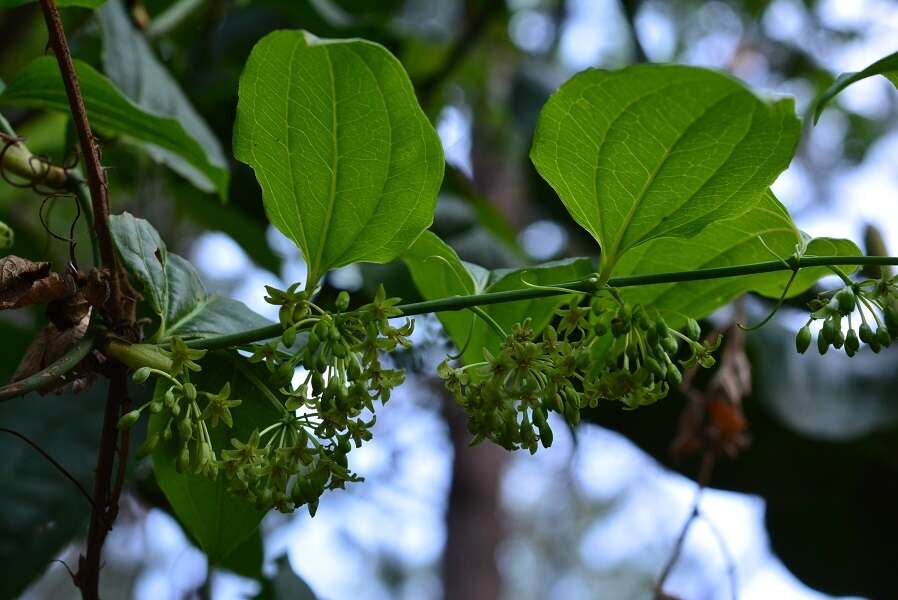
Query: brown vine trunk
(105, 495)
(473, 516)
(117, 311)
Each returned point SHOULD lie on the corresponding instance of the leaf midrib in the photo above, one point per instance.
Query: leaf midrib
(634, 207)
(314, 275)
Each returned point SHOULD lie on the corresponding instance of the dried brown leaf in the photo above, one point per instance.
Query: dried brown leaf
(24, 282)
(49, 346)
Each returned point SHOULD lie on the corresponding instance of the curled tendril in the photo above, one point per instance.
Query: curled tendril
(779, 304)
(41, 167)
(44, 216)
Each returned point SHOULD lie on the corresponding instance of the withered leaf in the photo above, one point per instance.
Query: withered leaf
(49, 346)
(24, 282)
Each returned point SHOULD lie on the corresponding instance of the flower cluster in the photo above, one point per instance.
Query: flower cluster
(873, 301)
(323, 413)
(606, 349)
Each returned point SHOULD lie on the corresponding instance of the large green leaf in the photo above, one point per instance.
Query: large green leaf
(762, 234)
(887, 67)
(438, 273)
(348, 163)
(39, 85)
(656, 151)
(129, 61)
(172, 287)
(218, 520)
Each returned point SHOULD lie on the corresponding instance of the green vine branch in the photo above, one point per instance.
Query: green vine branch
(140, 355)
(585, 285)
(52, 373)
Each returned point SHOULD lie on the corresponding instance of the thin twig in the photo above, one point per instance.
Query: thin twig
(630, 9)
(52, 373)
(53, 462)
(727, 555)
(704, 478)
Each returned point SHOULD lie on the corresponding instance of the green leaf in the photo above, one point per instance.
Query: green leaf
(763, 233)
(82, 3)
(887, 67)
(438, 273)
(656, 151)
(218, 520)
(247, 559)
(39, 85)
(40, 510)
(172, 287)
(349, 164)
(130, 63)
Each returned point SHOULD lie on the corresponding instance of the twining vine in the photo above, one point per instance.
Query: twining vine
(304, 391)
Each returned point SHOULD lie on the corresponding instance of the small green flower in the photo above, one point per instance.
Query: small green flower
(183, 358)
(220, 405)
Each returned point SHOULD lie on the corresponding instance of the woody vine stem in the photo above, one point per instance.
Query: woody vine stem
(112, 442)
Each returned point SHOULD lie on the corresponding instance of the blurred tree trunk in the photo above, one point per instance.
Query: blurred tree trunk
(473, 528)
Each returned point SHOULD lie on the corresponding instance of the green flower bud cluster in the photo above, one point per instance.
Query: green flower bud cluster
(188, 413)
(292, 461)
(875, 302)
(606, 349)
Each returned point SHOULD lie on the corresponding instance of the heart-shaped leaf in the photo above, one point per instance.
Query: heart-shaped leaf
(656, 151)
(349, 164)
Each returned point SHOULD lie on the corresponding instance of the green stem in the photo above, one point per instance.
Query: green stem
(52, 373)
(585, 285)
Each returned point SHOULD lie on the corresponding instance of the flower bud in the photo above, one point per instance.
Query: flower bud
(190, 391)
(128, 419)
(822, 343)
(693, 330)
(883, 338)
(183, 463)
(829, 330)
(852, 343)
(141, 375)
(342, 302)
(890, 316)
(803, 339)
(867, 335)
(846, 300)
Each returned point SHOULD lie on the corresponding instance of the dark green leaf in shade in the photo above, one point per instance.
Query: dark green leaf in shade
(172, 287)
(131, 64)
(39, 85)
